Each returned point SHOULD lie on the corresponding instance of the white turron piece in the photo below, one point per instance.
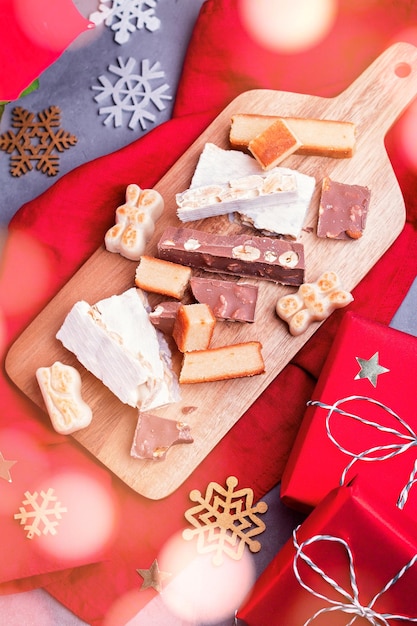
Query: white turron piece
(251, 191)
(114, 340)
(275, 203)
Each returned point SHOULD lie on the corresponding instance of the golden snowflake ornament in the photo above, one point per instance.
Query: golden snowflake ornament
(225, 520)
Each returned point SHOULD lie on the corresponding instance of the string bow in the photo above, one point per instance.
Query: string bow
(351, 604)
(407, 440)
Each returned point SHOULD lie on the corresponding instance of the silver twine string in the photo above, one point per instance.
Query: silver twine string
(351, 605)
(387, 451)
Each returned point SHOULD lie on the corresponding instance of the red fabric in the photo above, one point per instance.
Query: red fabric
(70, 219)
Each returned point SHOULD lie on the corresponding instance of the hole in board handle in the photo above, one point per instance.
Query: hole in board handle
(402, 69)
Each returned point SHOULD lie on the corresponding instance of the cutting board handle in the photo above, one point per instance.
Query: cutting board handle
(383, 91)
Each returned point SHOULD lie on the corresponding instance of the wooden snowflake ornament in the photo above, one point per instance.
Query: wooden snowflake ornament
(225, 520)
(36, 140)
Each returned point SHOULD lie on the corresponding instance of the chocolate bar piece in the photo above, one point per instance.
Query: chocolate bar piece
(155, 435)
(343, 210)
(241, 255)
(228, 300)
(163, 316)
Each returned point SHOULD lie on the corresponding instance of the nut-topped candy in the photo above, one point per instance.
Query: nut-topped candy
(312, 302)
(254, 190)
(228, 300)
(135, 222)
(270, 213)
(241, 255)
(60, 385)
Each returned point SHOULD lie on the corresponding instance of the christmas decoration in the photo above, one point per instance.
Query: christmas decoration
(40, 518)
(359, 423)
(132, 93)
(36, 140)
(153, 577)
(344, 564)
(124, 17)
(225, 520)
(370, 369)
(352, 604)
(5, 468)
(401, 441)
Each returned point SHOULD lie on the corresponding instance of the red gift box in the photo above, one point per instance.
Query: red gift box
(361, 420)
(344, 562)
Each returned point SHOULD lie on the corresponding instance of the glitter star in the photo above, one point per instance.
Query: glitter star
(370, 369)
(5, 468)
(153, 577)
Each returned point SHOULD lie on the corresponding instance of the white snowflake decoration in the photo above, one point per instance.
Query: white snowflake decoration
(132, 93)
(41, 517)
(126, 16)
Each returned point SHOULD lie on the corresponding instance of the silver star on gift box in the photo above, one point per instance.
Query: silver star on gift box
(370, 369)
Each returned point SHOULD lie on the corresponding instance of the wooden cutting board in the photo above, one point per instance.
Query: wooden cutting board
(373, 102)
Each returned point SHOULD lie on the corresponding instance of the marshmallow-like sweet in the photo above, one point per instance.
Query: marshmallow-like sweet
(135, 222)
(313, 302)
(60, 386)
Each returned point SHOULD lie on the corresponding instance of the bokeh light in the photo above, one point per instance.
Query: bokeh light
(31, 460)
(3, 333)
(200, 591)
(50, 24)
(406, 127)
(407, 136)
(288, 26)
(25, 274)
(94, 31)
(88, 526)
(126, 610)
